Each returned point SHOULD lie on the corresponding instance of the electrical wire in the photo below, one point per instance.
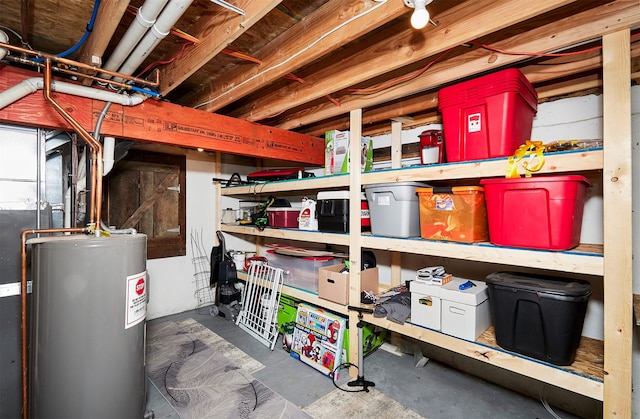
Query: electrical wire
(86, 34)
(401, 79)
(294, 56)
(170, 60)
(548, 408)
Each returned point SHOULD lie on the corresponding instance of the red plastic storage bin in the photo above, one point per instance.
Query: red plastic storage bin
(283, 217)
(543, 212)
(489, 116)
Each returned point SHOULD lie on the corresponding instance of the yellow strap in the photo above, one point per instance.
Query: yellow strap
(535, 151)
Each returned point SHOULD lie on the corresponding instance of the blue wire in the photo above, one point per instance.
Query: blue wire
(145, 91)
(78, 44)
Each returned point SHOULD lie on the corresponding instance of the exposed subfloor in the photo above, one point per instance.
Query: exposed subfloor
(434, 391)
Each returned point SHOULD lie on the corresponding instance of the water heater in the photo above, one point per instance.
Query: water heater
(87, 324)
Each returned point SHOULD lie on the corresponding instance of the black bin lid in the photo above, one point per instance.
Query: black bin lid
(555, 286)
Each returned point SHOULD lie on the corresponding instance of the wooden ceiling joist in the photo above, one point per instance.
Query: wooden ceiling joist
(293, 50)
(109, 15)
(392, 53)
(215, 33)
(559, 34)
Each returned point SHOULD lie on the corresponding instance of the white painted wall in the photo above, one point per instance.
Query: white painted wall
(172, 284)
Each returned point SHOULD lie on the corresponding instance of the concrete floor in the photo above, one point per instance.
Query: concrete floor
(434, 391)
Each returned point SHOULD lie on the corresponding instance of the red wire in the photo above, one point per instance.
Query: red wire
(170, 60)
(404, 78)
(417, 73)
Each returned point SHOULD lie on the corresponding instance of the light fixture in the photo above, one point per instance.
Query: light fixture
(420, 16)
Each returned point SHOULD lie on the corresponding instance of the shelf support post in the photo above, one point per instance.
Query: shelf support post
(617, 196)
(355, 241)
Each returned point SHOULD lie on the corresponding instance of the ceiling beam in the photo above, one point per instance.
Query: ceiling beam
(109, 15)
(162, 123)
(464, 22)
(559, 34)
(215, 33)
(331, 26)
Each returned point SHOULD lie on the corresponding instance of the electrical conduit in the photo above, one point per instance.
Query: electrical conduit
(145, 18)
(158, 32)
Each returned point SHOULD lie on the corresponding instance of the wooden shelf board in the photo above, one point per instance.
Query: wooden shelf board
(289, 234)
(321, 182)
(584, 376)
(584, 260)
(554, 163)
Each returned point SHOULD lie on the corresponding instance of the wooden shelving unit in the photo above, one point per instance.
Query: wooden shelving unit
(587, 375)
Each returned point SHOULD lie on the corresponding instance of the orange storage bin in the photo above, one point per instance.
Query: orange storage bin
(454, 214)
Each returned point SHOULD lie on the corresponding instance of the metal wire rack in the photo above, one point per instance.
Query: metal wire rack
(205, 295)
(260, 299)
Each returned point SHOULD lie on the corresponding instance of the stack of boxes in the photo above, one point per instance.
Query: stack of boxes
(445, 307)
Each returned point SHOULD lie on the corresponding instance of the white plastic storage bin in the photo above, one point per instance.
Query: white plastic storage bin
(465, 314)
(425, 304)
(394, 208)
(300, 272)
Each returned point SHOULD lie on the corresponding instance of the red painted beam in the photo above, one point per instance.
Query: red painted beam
(162, 122)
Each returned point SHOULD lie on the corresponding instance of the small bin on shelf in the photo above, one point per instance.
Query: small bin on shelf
(394, 208)
(283, 217)
(454, 214)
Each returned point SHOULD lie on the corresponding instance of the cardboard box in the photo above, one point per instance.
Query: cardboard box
(334, 285)
(426, 304)
(336, 158)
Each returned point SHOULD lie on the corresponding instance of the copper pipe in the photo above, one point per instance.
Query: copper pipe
(21, 60)
(77, 64)
(24, 21)
(95, 145)
(24, 362)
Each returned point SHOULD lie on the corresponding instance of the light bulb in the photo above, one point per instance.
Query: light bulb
(420, 16)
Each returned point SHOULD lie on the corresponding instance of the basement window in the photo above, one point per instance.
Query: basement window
(147, 191)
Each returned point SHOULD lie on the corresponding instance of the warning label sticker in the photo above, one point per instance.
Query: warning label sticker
(136, 309)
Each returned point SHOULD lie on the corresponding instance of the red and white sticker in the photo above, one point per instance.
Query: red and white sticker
(136, 310)
(474, 122)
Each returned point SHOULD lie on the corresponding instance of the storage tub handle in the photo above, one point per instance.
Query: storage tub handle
(456, 310)
(443, 189)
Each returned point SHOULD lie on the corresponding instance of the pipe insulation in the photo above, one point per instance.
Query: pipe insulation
(32, 85)
(145, 18)
(169, 16)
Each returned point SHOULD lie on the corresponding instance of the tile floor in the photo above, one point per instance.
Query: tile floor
(434, 391)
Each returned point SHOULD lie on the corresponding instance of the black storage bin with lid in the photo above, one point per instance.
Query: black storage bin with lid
(538, 316)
